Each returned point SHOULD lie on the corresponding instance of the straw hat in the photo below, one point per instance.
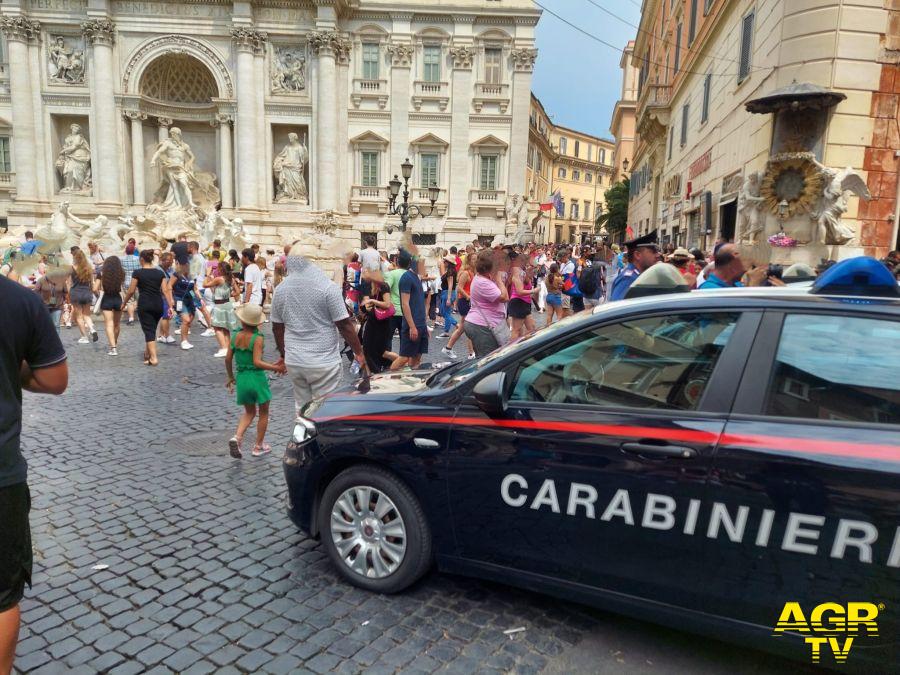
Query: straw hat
(450, 259)
(250, 314)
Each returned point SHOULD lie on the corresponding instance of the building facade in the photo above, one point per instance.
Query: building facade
(290, 110)
(701, 61)
(623, 121)
(577, 164)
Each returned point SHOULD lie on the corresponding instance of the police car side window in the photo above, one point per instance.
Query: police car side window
(837, 368)
(655, 362)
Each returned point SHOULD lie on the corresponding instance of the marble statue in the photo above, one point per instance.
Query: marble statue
(91, 230)
(833, 205)
(64, 64)
(74, 162)
(57, 235)
(288, 71)
(517, 214)
(750, 208)
(232, 234)
(289, 167)
(176, 163)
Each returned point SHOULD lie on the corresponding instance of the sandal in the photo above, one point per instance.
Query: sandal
(234, 447)
(259, 450)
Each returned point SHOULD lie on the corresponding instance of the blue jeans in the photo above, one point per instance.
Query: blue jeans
(447, 311)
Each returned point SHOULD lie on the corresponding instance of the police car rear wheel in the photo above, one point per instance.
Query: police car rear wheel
(374, 529)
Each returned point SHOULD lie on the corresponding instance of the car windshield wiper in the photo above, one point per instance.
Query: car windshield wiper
(443, 372)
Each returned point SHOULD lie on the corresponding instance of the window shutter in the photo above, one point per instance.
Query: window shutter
(677, 47)
(707, 213)
(692, 22)
(746, 47)
(707, 84)
(684, 123)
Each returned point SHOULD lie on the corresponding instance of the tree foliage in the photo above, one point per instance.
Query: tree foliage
(615, 216)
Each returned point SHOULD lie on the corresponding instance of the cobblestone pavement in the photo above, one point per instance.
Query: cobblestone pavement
(203, 572)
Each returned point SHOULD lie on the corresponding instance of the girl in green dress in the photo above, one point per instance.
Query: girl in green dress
(246, 350)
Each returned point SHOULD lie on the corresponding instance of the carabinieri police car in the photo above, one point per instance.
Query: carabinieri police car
(720, 461)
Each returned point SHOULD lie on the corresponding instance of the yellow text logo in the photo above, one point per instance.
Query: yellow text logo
(830, 626)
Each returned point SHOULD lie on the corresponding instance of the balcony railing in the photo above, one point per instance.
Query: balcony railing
(363, 195)
(491, 93)
(431, 91)
(369, 89)
(420, 196)
(488, 199)
(7, 179)
(654, 95)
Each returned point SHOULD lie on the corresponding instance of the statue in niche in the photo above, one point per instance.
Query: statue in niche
(289, 167)
(288, 71)
(176, 166)
(74, 162)
(65, 64)
(833, 205)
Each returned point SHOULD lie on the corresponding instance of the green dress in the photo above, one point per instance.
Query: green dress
(252, 386)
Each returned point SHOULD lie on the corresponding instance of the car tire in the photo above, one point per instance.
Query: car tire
(365, 562)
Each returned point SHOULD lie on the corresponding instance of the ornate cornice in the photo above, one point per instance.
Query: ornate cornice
(523, 58)
(329, 42)
(462, 56)
(99, 32)
(249, 40)
(401, 53)
(20, 28)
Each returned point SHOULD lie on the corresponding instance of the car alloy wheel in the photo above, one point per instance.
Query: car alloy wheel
(368, 532)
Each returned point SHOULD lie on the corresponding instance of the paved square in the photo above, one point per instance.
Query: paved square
(203, 571)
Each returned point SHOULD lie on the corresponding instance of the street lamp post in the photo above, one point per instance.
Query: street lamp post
(404, 209)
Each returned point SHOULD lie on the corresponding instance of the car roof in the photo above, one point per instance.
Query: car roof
(753, 297)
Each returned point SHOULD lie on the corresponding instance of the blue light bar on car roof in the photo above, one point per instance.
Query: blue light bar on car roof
(860, 276)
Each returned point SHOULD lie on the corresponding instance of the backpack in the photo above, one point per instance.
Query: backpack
(587, 282)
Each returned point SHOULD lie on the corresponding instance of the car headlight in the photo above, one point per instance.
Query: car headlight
(304, 431)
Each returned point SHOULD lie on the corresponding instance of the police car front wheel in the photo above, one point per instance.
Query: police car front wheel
(374, 529)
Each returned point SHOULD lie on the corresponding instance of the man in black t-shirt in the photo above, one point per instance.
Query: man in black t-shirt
(31, 358)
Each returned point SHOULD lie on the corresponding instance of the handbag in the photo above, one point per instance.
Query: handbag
(382, 314)
(500, 331)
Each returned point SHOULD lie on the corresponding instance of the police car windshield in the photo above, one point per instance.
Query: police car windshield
(462, 374)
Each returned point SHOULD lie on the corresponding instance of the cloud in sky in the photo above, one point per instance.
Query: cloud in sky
(578, 79)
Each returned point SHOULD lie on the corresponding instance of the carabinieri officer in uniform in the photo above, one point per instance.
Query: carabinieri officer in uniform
(642, 254)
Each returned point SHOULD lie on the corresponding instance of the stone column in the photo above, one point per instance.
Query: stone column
(226, 181)
(401, 62)
(163, 129)
(520, 93)
(101, 34)
(19, 31)
(327, 45)
(137, 154)
(461, 179)
(36, 58)
(247, 42)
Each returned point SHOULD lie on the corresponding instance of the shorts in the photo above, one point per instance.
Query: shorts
(111, 303)
(408, 347)
(187, 305)
(81, 296)
(463, 305)
(15, 553)
(554, 299)
(519, 309)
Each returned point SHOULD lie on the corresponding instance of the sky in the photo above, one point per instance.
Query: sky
(578, 79)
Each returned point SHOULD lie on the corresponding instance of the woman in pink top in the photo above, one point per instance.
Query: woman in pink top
(485, 323)
(520, 289)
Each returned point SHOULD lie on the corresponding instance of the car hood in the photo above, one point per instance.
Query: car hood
(390, 384)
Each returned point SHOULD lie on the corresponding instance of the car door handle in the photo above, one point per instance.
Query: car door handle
(426, 443)
(674, 451)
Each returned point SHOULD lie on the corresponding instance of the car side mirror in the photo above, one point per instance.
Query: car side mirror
(489, 394)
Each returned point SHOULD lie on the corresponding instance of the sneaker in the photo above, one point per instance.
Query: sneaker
(68, 324)
(83, 341)
(162, 338)
(443, 336)
(129, 322)
(169, 340)
(220, 354)
(446, 351)
(470, 357)
(209, 332)
(94, 335)
(234, 447)
(112, 352)
(259, 450)
(186, 345)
